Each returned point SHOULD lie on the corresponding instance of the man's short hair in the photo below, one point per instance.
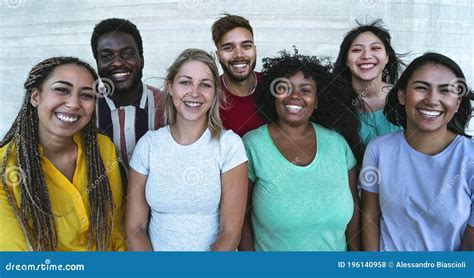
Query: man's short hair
(227, 23)
(116, 25)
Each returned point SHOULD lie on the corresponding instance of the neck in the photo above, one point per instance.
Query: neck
(53, 146)
(128, 97)
(368, 88)
(429, 143)
(240, 88)
(187, 132)
(292, 131)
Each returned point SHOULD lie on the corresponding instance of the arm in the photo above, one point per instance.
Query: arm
(468, 239)
(136, 213)
(353, 228)
(232, 208)
(246, 241)
(370, 221)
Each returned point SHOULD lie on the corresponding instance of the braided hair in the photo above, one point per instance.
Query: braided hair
(34, 213)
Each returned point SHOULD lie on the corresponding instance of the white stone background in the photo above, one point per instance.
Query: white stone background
(32, 30)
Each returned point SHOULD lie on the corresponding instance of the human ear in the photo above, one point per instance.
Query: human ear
(169, 88)
(401, 97)
(458, 104)
(217, 55)
(34, 98)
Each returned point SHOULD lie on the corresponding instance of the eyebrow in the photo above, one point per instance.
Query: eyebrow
(63, 82)
(429, 84)
(109, 49)
(189, 77)
(359, 44)
(232, 43)
(70, 84)
(306, 84)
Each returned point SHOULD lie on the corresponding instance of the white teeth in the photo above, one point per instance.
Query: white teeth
(192, 104)
(66, 119)
(366, 66)
(429, 113)
(239, 65)
(293, 108)
(120, 74)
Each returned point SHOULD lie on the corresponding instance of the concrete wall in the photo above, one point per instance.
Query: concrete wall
(32, 30)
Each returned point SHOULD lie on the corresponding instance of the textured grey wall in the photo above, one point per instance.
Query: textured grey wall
(32, 30)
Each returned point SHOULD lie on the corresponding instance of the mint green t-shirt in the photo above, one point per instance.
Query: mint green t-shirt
(373, 124)
(300, 208)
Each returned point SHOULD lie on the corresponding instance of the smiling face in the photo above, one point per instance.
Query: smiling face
(119, 60)
(237, 54)
(367, 57)
(65, 102)
(296, 108)
(430, 99)
(193, 90)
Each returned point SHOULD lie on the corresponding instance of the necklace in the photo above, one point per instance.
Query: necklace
(254, 87)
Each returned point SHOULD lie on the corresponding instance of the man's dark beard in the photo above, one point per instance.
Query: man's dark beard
(238, 78)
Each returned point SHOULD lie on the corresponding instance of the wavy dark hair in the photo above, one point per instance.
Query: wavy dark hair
(331, 113)
(395, 112)
(392, 68)
(389, 74)
(34, 213)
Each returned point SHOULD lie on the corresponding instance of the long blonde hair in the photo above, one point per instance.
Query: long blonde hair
(214, 122)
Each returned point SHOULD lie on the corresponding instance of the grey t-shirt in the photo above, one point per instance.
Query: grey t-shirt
(426, 201)
(183, 188)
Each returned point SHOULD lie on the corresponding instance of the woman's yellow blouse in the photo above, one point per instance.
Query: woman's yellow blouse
(69, 201)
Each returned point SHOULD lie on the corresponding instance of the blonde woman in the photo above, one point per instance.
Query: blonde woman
(191, 174)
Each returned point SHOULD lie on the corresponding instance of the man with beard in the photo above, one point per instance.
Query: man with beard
(236, 51)
(129, 107)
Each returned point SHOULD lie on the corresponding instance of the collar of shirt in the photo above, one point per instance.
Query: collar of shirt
(77, 139)
(139, 102)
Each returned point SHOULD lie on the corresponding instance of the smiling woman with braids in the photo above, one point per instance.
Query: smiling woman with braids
(61, 186)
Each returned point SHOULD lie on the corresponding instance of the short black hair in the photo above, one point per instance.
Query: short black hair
(395, 112)
(116, 25)
(331, 113)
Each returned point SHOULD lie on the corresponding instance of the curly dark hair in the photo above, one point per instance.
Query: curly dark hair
(116, 25)
(395, 112)
(332, 111)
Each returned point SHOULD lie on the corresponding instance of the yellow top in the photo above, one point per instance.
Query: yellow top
(69, 201)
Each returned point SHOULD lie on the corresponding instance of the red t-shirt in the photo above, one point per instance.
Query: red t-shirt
(239, 114)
